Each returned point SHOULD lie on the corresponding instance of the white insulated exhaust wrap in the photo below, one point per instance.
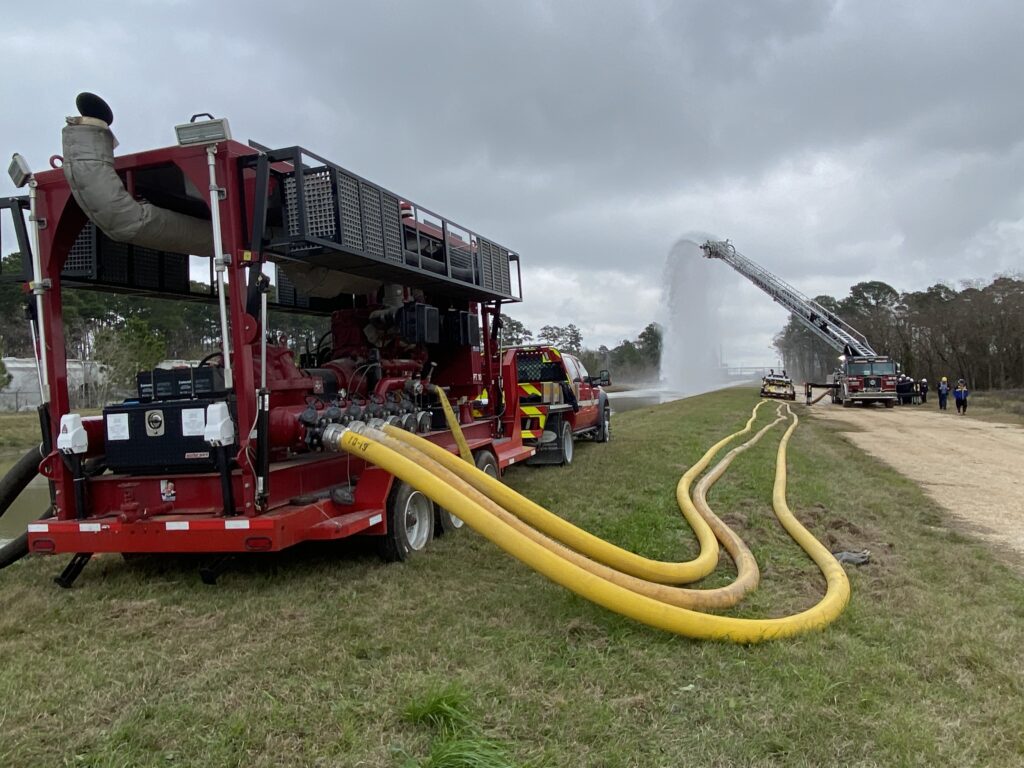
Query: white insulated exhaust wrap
(89, 170)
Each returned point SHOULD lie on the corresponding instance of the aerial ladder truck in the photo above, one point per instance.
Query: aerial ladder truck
(862, 375)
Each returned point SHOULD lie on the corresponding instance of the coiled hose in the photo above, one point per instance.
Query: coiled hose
(586, 543)
(727, 596)
(648, 610)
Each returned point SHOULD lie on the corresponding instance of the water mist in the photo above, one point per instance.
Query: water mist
(693, 298)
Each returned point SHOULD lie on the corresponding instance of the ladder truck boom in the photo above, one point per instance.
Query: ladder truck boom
(826, 325)
(863, 375)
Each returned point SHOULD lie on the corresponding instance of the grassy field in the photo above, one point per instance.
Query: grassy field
(1002, 405)
(18, 431)
(327, 657)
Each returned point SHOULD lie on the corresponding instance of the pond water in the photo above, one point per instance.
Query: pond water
(32, 502)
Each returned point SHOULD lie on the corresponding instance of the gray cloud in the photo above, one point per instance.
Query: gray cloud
(832, 142)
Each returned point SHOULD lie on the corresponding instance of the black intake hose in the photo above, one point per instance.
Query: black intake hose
(15, 549)
(18, 478)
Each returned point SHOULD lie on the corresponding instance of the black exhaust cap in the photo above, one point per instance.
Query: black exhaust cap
(91, 105)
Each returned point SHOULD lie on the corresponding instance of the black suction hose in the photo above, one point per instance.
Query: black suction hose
(18, 478)
(15, 549)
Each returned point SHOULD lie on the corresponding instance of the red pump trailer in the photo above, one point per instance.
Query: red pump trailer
(224, 457)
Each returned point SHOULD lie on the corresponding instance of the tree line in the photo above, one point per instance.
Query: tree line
(631, 361)
(975, 333)
(128, 333)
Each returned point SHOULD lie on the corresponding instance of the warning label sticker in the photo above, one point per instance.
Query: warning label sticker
(117, 426)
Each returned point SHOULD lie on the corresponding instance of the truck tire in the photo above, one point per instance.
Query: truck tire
(890, 403)
(604, 431)
(567, 444)
(410, 517)
(445, 521)
(847, 403)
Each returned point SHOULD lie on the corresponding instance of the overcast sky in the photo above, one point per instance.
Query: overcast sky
(832, 142)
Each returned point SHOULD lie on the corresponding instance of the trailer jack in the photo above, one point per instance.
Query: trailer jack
(73, 569)
(216, 568)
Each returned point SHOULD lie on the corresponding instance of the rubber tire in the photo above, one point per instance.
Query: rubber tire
(604, 432)
(847, 403)
(568, 444)
(890, 403)
(397, 545)
(445, 521)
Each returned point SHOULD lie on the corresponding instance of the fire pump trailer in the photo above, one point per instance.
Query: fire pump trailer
(226, 456)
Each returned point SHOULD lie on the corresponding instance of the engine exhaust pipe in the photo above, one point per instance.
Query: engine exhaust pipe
(88, 146)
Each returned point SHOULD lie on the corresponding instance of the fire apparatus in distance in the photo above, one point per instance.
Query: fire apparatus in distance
(862, 375)
(226, 456)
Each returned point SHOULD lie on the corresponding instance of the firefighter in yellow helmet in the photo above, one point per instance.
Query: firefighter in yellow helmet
(943, 392)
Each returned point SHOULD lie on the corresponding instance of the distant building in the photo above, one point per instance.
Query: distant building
(23, 391)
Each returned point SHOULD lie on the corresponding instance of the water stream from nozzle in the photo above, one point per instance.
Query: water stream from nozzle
(693, 297)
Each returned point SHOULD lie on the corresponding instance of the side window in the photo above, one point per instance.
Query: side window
(571, 368)
(583, 371)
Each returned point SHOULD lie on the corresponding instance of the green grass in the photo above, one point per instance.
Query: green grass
(18, 430)
(323, 656)
(1001, 405)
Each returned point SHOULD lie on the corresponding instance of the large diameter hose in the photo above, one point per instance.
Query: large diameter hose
(18, 477)
(580, 540)
(722, 597)
(820, 397)
(17, 548)
(453, 425)
(602, 592)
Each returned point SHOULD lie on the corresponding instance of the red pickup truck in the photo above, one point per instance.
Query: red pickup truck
(558, 402)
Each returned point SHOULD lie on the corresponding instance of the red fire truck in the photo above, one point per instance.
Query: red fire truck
(225, 456)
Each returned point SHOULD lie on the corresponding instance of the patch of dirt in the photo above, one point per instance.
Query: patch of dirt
(971, 468)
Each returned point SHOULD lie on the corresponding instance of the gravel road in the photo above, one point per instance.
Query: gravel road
(974, 469)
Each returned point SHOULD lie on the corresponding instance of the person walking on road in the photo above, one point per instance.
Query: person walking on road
(943, 390)
(960, 395)
(924, 391)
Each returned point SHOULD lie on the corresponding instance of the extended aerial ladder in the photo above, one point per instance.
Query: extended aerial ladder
(826, 325)
(864, 375)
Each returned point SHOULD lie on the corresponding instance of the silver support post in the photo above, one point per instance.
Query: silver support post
(263, 406)
(39, 370)
(38, 288)
(219, 263)
(263, 340)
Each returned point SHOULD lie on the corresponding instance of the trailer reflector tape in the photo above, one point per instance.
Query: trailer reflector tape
(89, 527)
(376, 519)
(38, 528)
(238, 525)
(176, 525)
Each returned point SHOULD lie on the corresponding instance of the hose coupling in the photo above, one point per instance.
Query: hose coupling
(332, 434)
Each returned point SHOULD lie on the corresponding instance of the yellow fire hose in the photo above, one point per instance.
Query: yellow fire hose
(586, 543)
(601, 591)
(453, 425)
(721, 597)
(820, 397)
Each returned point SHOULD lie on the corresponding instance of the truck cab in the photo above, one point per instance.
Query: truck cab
(558, 402)
(863, 379)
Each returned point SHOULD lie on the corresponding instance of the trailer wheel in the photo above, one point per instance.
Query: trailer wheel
(410, 523)
(567, 443)
(445, 521)
(604, 432)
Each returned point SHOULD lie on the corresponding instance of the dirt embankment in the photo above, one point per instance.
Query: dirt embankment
(972, 468)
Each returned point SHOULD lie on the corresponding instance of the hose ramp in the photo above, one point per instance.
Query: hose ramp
(654, 605)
